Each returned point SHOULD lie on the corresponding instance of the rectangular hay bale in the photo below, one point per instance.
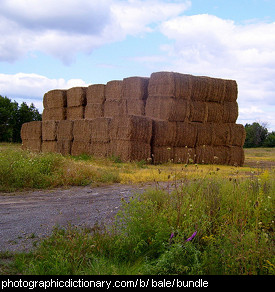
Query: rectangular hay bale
(186, 134)
(184, 155)
(135, 88)
(82, 130)
(56, 98)
(95, 93)
(31, 130)
(94, 110)
(49, 130)
(54, 114)
(49, 146)
(65, 130)
(101, 149)
(76, 96)
(230, 112)
(113, 108)
(236, 156)
(162, 154)
(100, 130)
(204, 154)
(64, 147)
(198, 111)
(80, 147)
(136, 107)
(113, 90)
(33, 145)
(75, 113)
(214, 112)
(237, 135)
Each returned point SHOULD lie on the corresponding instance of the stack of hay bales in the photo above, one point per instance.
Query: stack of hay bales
(31, 135)
(95, 101)
(49, 136)
(76, 102)
(55, 105)
(114, 104)
(167, 117)
(131, 137)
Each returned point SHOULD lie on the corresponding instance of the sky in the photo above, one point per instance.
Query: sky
(49, 44)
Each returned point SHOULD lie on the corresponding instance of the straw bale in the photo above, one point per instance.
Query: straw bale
(186, 134)
(231, 90)
(204, 154)
(204, 134)
(100, 130)
(49, 130)
(82, 130)
(184, 155)
(49, 146)
(230, 112)
(136, 107)
(75, 112)
(95, 93)
(214, 112)
(55, 99)
(170, 84)
(114, 108)
(76, 96)
(164, 133)
(94, 110)
(80, 147)
(236, 156)
(162, 154)
(54, 114)
(31, 130)
(130, 150)
(134, 128)
(113, 90)
(198, 111)
(64, 147)
(33, 145)
(237, 135)
(135, 88)
(221, 134)
(65, 130)
(101, 149)
(221, 155)
(167, 108)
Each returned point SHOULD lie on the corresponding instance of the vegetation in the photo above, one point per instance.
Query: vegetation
(211, 220)
(12, 117)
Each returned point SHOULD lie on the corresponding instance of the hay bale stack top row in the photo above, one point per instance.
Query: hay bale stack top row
(167, 117)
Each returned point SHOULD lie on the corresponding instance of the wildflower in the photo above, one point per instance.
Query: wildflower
(191, 237)
(171, 236)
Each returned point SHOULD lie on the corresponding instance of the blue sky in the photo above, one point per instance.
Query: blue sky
(48, 44)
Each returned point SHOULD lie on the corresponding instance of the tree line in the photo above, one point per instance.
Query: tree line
(13, 116)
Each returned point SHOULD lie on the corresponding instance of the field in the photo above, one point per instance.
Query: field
(216, 220)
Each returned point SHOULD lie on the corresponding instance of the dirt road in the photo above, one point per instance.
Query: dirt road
(27, 217)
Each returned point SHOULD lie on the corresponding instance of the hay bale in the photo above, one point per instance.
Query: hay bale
(236, 156)
(65, 130)
(164, 133)
(49, 146)
(198, 111)
(76, 96)
(56, 98)
(184, 155)
(100, 130)
(33, 145)
(204, 134)
(135, 88)
(101, 149)
(113, 108)
(82, 130)
(231, 90)
(221, 155)
(54, 114)
(162, 154)
(75, 113)
(95, 94)
(167, 108)
(94, 110)
(204, 154)
(64, 147)
(136, 107)
(170, 84)
(186, 135)
(81, 147)
(237, 135)
(49, 130)
(113, 90)
(214, 112)
(31, 130)
(134, 128)
(221, 134)
(130, 150)
(230, 112)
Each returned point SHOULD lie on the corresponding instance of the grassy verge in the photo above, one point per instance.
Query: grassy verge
(217, 226)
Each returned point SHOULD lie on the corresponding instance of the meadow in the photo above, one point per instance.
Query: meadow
(212, 220)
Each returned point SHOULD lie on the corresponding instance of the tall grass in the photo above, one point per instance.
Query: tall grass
(201, 226)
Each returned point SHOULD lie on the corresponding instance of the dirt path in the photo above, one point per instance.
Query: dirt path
(25, 218)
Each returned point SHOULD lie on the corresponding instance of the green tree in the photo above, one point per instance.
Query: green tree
(270, 140)
(12, 117)
(255, 135)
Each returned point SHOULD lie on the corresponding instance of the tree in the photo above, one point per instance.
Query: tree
(255, 135)
(270, 140)
(13, 117)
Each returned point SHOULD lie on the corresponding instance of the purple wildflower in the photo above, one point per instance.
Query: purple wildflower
(191, 237)
(171, 236)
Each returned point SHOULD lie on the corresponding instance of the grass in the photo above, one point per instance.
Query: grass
(229, 210)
